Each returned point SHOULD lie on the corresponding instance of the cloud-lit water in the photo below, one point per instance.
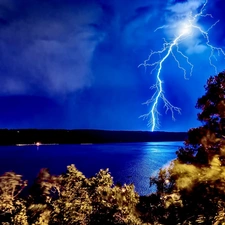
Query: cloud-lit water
(127, 162)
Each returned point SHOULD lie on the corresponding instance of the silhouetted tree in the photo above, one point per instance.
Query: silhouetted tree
(207, 140)
(212, 104)
(191, 189)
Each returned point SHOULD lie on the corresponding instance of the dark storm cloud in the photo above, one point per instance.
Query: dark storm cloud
(47, 47)
(87, 52)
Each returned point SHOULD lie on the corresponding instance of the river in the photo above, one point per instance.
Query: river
(127, 162)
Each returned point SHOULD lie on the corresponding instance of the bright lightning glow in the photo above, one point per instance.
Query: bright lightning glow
(185, 30)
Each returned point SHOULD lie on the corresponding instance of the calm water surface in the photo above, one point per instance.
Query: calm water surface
(127, 162)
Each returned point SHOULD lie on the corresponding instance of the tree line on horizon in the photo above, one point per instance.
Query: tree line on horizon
(51, 136)
(190, 191)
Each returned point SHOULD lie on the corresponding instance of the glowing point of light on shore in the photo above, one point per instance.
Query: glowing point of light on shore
(38, 143)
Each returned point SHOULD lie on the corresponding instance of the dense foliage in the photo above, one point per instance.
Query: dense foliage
(206, 141)
(190, 191)
(70, 198)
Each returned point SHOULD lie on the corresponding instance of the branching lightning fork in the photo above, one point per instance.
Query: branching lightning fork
(168, 50)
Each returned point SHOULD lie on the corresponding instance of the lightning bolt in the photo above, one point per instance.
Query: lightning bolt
(169, 49)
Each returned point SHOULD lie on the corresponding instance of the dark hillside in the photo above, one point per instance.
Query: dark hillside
(31, 136)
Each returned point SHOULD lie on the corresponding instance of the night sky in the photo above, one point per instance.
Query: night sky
(73, 64)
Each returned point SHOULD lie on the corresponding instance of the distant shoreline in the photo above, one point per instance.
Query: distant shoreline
(37, 144)
(38, 137)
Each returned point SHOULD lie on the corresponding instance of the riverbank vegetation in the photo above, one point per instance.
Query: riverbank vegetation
(190, 191)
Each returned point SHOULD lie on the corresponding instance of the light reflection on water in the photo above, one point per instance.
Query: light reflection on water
(127, 162)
